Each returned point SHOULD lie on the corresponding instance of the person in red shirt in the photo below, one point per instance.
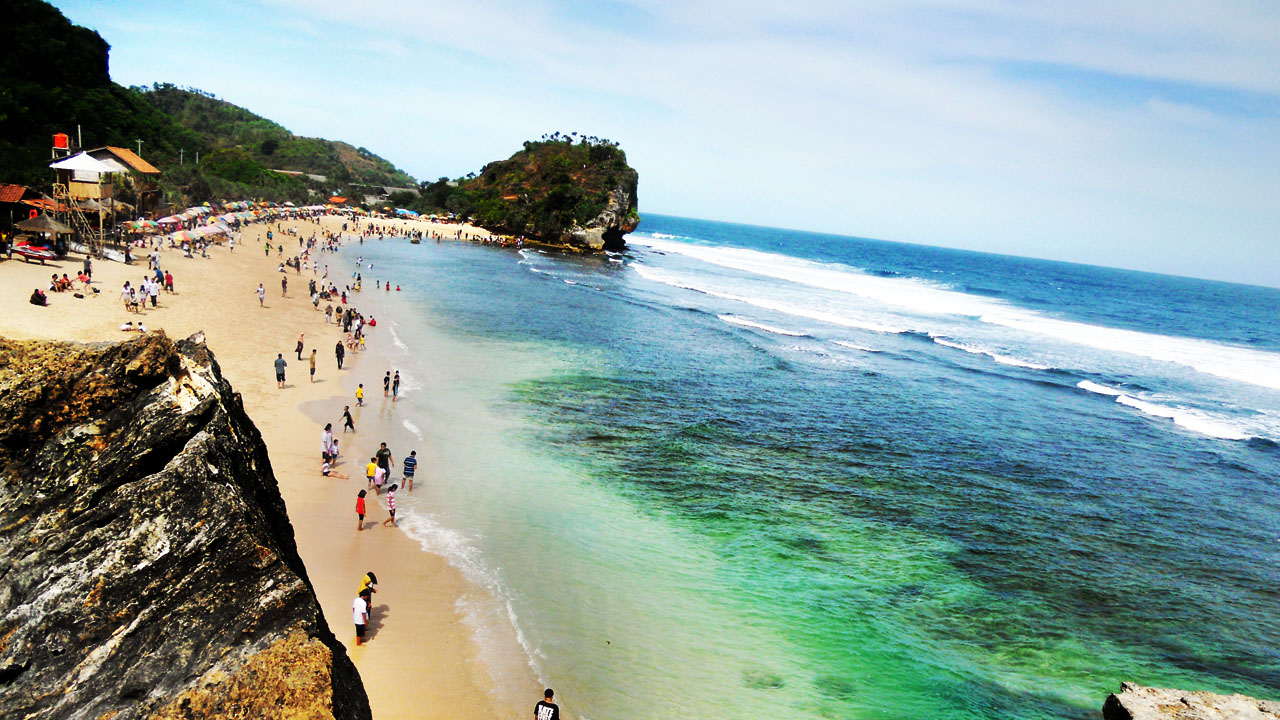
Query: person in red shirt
(360, 509)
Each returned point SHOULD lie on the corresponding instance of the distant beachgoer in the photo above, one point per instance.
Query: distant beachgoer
(313, 364)
(379, 479)
(326, 441)
(284, 286)
(369, 471)
(409, 467)
(546, 709)
(386, 384)
(395, 386)
(298, 349)
(340, 352)
(360, 508)
(262, 295)
(39, 298)
(360, 395)
(360, 615)
(281, 364)
(168, 283)
(347, 424)
(391, 506)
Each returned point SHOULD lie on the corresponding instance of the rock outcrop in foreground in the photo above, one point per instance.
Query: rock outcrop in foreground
(147, 567)
(1135, 702)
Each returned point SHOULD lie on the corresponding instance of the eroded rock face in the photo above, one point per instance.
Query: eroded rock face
(1135, 702)
(606, 230)
(147, 566)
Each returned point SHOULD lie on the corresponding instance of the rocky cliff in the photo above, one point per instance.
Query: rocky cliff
(576, 192)
(147, 566)
(1135, 702)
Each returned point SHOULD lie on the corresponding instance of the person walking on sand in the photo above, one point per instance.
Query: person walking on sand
(369, 471)
(391, 507)
(386, 384)
(262, 295)
(360, 395)
(360, 615)
(284, 286)
(409, 466)
(281, 364)
(313, 364)
(546, 709)
(395, 386)
(298, 349)
(340, 352)
(347, 424)
(360, 509)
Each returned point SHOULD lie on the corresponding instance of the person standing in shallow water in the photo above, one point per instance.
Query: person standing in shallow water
(546, 709)
(386, 384)
(395, 387)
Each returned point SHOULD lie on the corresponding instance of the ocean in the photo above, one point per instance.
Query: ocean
(739, 471)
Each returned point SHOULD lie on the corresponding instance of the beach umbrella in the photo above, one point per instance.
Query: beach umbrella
(170, 220)
(43, 223)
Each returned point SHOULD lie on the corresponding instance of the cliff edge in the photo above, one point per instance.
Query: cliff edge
(1136, 702)
(147, 566)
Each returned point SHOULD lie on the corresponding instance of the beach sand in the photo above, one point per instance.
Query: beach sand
(420, 660)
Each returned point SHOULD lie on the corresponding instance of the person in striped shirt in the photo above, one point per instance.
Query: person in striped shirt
(410, 465)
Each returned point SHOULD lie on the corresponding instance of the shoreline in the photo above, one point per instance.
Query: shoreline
(421, 659)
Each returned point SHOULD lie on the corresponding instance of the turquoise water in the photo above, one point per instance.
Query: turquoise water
(739, 470)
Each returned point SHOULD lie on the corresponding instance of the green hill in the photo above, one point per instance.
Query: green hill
(54, 78)
(571, 190)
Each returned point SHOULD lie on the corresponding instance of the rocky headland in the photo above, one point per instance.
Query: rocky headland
(147, 566)
(574, 192)
(1136, 702)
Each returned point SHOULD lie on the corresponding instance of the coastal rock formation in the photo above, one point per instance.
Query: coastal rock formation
(572, 191)
(606, 230)
(1135, 702)
(147, 566)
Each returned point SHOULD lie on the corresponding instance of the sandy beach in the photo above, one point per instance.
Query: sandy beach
(420, 659)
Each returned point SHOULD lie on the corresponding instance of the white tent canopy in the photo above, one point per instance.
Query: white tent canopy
(81, 162)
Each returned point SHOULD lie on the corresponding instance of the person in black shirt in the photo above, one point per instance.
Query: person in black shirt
(545, 709)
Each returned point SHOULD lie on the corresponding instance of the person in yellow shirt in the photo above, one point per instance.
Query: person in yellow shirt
(360, 395)
(370, 469)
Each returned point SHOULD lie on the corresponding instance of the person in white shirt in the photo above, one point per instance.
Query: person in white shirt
(360, 615)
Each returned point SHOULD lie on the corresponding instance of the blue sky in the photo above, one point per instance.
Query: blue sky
(1141, 134)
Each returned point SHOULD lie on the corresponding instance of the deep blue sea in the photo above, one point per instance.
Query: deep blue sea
(738, 471)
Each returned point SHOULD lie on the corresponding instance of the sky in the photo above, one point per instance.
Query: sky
(1138, 134)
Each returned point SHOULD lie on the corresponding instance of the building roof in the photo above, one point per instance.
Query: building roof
(128, 157)
(12, 193)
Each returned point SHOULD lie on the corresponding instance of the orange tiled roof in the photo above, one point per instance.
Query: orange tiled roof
(131, 159)
(11, 193)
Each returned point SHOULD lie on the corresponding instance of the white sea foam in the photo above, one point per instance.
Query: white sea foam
(395, 338)
(854, 346)
(661, 276)
(742, 322)
(1193, 420)
(1239, 364)
(462, 554)
(408, 425)
(1002, 359)
(1096, 388)
(1189, 419)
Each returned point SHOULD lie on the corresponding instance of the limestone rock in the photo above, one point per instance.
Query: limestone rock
(1135, 702)
(606, 230)
(147, 566)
